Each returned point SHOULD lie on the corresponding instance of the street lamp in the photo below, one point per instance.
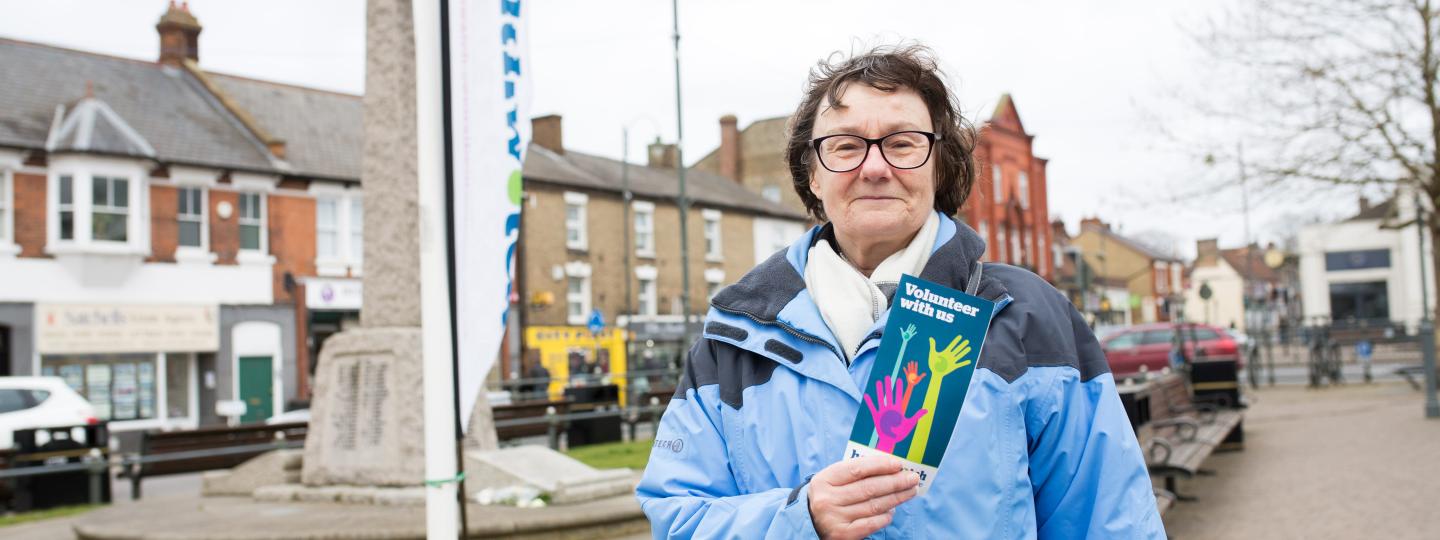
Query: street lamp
(1427, 325)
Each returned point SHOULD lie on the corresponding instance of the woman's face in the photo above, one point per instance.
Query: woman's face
(875, 201)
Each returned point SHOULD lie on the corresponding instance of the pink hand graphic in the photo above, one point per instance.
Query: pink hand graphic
(890, 422)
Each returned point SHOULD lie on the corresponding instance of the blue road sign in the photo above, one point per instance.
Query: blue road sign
(596, 322)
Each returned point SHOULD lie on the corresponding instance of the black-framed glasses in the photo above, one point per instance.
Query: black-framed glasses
(902, 150)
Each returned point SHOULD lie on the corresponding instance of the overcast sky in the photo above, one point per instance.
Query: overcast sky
(1098, 82)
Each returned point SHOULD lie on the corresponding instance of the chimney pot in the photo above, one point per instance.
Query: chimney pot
(730, 147)
(179, 35)
(547, 131)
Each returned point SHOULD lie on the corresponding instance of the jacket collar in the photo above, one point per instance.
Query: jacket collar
(772, 286)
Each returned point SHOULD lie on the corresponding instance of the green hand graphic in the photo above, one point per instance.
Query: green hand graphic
(942, 363)
(905, 335)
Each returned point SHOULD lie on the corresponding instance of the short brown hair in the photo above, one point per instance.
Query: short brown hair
(888, 68)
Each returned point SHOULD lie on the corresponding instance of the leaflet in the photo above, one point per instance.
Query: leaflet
(922, 370)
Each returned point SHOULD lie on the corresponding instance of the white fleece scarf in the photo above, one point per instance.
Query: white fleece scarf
(849, 302)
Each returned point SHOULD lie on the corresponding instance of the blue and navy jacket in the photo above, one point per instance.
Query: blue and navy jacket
(1043, 448)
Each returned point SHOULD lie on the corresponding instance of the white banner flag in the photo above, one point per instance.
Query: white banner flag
(489, 132)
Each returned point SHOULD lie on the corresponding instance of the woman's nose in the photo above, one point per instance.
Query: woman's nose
(874, 167)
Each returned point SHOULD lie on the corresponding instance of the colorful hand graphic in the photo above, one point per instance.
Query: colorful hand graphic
(890, 421)
(950, 359)
(942, 363)
(912, 377)
(905, 335)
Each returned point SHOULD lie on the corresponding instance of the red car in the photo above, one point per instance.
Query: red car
(1149, 345)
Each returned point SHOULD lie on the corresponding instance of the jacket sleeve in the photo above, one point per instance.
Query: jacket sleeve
(689, 488)
(1086, 468)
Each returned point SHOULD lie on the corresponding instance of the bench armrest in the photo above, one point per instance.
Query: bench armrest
(1180, 425)
(1160, 445)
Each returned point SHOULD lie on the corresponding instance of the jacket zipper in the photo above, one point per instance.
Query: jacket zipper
(803, 336)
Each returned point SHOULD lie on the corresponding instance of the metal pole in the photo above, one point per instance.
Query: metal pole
(629, 251)
(1427, 328)
(683, 202)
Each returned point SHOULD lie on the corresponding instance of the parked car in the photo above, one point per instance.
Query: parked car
(1148, 346)
(40, 402)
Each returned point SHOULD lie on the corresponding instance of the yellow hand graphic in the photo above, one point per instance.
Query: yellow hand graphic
(942, 363)
(950, 359)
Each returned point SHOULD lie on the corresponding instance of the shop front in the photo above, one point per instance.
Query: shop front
(138, 365)
(573, 357)
(332, 305)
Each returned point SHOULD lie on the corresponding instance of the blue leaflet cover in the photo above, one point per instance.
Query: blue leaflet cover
(922, 371)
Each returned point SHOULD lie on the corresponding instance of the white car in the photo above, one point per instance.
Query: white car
(40, 402)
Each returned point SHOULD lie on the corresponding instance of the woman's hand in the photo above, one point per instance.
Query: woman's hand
(854, 498)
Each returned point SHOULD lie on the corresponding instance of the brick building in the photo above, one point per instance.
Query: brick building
(574, 256)
(1008, 204)
(170, 237)
(1136, 283)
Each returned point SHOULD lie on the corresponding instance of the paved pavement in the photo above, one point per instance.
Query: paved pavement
(1357, 461)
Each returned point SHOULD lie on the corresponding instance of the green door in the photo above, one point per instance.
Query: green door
(255, 388)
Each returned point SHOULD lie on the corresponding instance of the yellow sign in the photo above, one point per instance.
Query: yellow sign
(563, 346)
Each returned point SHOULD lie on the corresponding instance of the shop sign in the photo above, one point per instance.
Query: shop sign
(341, 294)
(107, 328)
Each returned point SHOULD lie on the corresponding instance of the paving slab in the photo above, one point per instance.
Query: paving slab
(242, 518)
(1357, 461)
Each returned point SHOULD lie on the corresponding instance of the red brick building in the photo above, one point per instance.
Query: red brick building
(171, 238)
(1008, 205)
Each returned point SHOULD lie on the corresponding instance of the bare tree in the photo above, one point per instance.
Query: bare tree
(1338, 92)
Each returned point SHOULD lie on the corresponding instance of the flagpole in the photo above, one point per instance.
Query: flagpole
(442, 510)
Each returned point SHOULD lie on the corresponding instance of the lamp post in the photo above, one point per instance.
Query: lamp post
(1427, 326)
(683, 202)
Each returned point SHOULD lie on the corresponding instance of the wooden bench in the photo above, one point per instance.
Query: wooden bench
(1182, 434)
(204, 449)
(526, 410)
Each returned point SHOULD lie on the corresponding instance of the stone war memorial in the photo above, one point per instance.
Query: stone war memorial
(361, 473)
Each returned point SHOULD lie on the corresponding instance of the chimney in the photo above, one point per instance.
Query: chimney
(179, 35)
(663, 155)
(1206, 250)
(1364, 203)
(1093, 223)
(546, 132)
(729, 148)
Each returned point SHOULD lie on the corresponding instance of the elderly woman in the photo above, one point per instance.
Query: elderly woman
(751, 444)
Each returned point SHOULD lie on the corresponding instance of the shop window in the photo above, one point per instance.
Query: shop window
(191, 217)
(178, 385)
(1359, 301)
(252, 222)
(119, 386)
(109, 208)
